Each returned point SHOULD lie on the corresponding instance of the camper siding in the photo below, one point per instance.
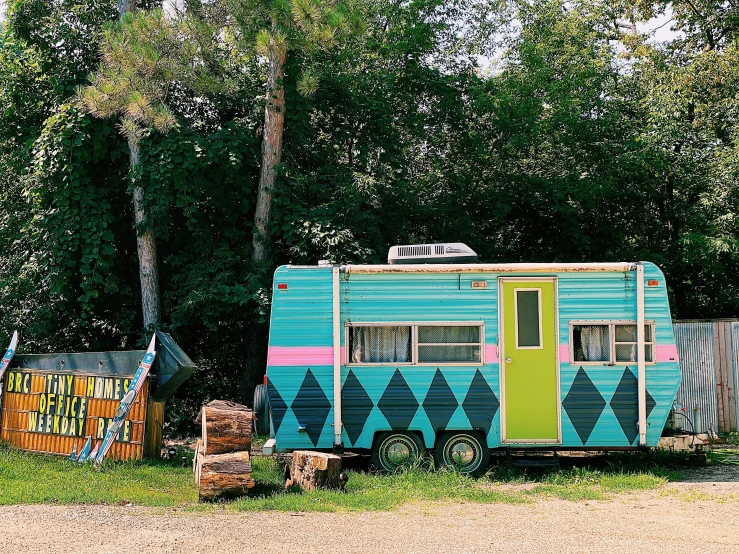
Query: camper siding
(596, 415)
(598, 403)
(410, 298)
(300, 358)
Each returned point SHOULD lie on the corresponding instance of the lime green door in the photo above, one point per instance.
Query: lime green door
(529, 361)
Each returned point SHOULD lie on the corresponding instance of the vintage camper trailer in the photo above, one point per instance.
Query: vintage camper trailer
(461, 358)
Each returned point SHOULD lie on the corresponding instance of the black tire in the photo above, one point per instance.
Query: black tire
(393, 451)
(463, 451)
(261, 410)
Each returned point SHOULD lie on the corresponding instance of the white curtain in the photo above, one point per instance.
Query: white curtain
(381, 344)
(595, 343)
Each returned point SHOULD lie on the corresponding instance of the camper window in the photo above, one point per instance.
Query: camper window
(625, 343)
(416, 343)
(608, 342)
(449, 344)
(591, 343)
(380, 344)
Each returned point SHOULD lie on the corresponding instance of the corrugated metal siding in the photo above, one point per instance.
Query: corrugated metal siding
(404, 395)
(17, 407)
(612, 296)
(696, 350)
(302, 316)
(735, 365)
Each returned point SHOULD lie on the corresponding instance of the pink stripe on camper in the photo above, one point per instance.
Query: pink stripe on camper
(666, 352)
(564, 353)
(491, 354)
(300, 355)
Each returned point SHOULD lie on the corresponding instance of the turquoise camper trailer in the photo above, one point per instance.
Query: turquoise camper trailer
(431, 352)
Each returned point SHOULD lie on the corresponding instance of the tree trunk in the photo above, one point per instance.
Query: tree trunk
(315, 470)
(274, 124)
(147, 249)
(146, 244)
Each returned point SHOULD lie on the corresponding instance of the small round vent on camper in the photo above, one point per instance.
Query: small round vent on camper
(444, 253)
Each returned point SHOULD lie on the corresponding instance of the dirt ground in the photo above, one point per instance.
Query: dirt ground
(697, 515)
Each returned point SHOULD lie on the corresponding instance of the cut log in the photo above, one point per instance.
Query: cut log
(226, 427)
(315, 470)
(223, 476)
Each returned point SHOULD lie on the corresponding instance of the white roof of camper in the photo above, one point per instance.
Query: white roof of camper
(487, 268)
(490, 268)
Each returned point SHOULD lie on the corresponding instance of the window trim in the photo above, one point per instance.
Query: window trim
(414, 325)
(537, 290)
(611, 324)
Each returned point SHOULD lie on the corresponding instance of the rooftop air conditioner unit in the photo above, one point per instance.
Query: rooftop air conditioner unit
(445, 253)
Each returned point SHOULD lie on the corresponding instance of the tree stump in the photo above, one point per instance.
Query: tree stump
(315, 470)
(223, 475)
(226, 427)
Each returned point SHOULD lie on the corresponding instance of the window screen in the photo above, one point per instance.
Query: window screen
(591, 343)
(528, 326)
(449, 344)
(626, 341)
(380, 344)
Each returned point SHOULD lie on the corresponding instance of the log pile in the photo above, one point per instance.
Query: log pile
(221, 464)
(315, 470)
(226, 427)
(223, 475)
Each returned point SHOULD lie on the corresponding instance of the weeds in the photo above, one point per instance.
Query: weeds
(29, 478)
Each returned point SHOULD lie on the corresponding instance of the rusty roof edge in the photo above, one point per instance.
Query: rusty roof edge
(493, 268)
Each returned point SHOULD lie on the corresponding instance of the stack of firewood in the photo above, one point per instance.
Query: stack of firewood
(222, 465)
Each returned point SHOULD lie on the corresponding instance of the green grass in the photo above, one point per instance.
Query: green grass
(32, 479)
(35, 479)
(370, 491)
(724, 456)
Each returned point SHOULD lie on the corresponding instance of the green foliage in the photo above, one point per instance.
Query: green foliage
(581, 140)
(143, 56)
(75, 237)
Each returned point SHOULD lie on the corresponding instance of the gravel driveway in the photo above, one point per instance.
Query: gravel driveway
(682, 517)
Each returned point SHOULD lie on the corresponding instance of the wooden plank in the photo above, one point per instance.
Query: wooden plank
(730, 384)
(726, 377)
(718, 350)
(154, 426)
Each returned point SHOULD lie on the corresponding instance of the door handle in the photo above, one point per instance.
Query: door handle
(508, 360)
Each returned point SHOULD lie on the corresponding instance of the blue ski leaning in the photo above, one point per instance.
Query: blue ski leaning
(9, 353)
(85, 452)
(120, 414)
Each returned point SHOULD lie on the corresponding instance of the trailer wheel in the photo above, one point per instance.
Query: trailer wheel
(465, 452)
(261, 410)
(393, 451)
